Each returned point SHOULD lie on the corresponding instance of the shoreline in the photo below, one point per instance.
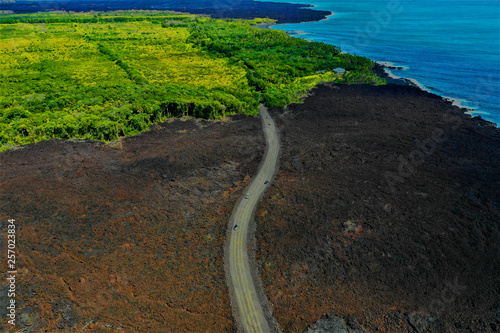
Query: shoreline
(380, 249)
(381, 69)
(245, 9)
(393, 169)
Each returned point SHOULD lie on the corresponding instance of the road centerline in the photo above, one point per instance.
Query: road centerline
(249, 311)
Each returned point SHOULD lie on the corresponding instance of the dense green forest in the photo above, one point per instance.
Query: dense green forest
(107, 75)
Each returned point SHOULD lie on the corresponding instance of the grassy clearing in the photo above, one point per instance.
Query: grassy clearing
(108, 75)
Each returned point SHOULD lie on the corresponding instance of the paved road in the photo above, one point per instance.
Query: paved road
(251, 314)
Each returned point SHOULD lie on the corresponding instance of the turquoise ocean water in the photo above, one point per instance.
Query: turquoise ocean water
(450, 48)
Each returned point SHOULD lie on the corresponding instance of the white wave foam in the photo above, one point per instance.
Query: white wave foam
(461, 103)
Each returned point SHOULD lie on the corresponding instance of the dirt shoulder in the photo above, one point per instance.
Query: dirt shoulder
(130, 236)
(385, 211)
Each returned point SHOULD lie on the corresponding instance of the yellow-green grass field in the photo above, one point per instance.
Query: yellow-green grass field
(107, 75)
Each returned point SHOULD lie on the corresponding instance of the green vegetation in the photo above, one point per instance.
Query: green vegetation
(280, 66)
(106, 75)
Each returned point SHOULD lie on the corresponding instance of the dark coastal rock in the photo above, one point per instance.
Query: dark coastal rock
(68, 318)
(400, 68)
(105, 230)
(332, 323)
(245, 9)
(394, 212)
(423, 322)
(29, 320)
(379, 69)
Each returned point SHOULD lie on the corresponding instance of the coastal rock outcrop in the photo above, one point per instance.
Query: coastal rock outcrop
(385, 208)
(332, 323)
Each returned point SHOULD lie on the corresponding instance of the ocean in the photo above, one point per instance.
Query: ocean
(450, 48)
